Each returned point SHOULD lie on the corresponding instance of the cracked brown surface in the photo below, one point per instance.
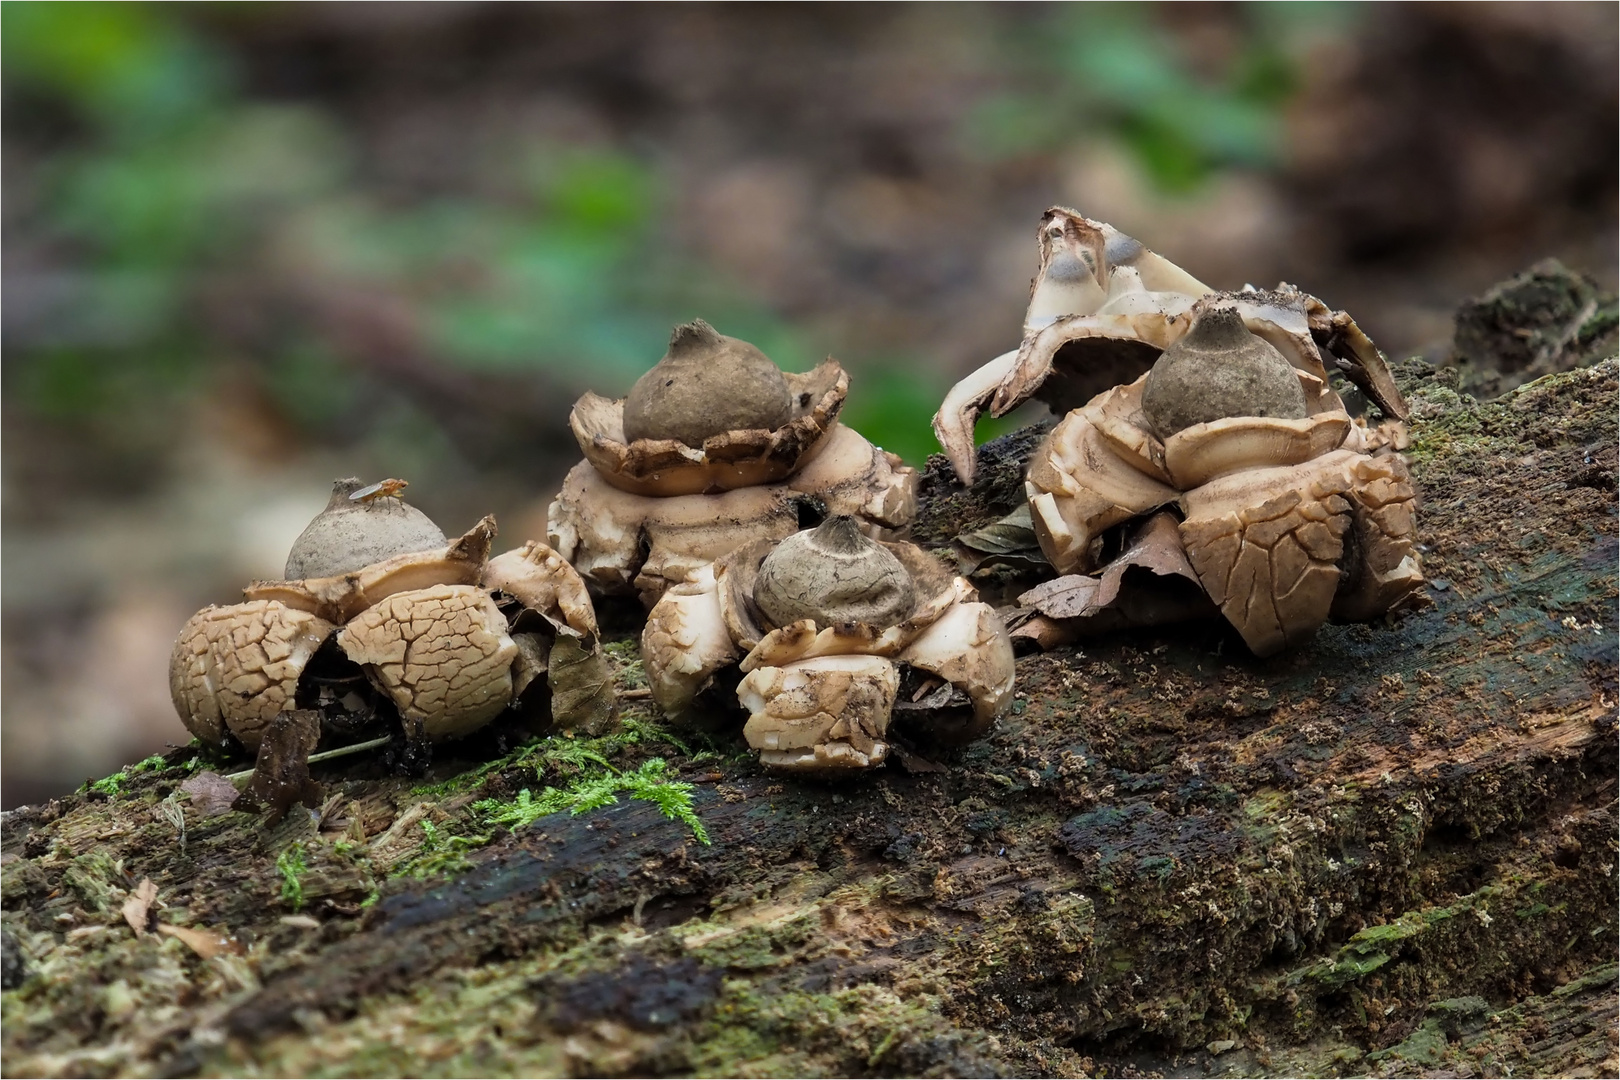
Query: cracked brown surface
(1383, 532)
(1272, 567)
(828, 712)
(235, 668)
(441, 654)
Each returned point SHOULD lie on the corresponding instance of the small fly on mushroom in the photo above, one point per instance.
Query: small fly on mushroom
(382, 489)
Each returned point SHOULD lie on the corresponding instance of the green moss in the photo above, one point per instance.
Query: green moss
(291, 865)
(113, 786)
(592, 790)
(96, 878)
(441, 855)
(1373, 947)
(629, 674)
(472, 777)
(766, 1030)
(755, 947)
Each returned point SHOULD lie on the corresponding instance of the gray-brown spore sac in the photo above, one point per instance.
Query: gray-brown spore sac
(349, 535)
(707, 384)
(1218, 370)
(834, 574)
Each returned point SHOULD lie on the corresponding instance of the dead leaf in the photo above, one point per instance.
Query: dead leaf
(137, 909)
(1073, 596)
(1150, 583)
(210, 793)
(1011, 540)
(281, 777)
(581, 685)
(205, 943)
(533, 652)
(1045, 633)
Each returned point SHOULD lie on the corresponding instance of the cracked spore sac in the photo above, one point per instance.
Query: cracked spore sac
(441, 654)
(236, 668)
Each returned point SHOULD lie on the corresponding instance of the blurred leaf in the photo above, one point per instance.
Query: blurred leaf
(600, 191)
(130, 66)
(1006, 125)
(1265, 75)
(893, 407)
(1108, 70)
(311, 385)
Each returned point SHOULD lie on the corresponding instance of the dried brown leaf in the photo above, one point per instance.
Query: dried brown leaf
(1073, 596)
(1045, 633)
(581, 685)
(1155, 546)
(281, 777)
(137, 909)
(210, 793)
(1118, 599)
(205, 943)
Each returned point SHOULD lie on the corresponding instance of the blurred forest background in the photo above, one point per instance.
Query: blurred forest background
(252, 247)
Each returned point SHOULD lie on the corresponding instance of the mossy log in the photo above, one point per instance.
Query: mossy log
(1391, 852)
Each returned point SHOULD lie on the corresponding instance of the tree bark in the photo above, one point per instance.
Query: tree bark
(1390, 852)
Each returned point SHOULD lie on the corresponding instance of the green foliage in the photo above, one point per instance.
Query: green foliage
(1109, 70)
(440, 854)
(291, 865)
(174, 181)
(591, 791)
(113, 785)
(128, 66)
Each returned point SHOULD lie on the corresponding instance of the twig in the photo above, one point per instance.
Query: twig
(239, 778)
(635, 695)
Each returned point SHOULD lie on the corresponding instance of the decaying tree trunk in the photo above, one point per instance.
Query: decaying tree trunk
(1392, 852)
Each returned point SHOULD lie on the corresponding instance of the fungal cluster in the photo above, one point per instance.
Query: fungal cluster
(1201, 441)
(1213, 407)
(382, 622)
(828, 626)
(713, 448)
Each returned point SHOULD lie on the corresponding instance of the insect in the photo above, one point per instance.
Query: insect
(382, 489)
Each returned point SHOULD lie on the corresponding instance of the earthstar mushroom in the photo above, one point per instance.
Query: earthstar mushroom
(827, 626)
(1267, 502)
(669, 483)
(1102, 309)
(421, 625)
